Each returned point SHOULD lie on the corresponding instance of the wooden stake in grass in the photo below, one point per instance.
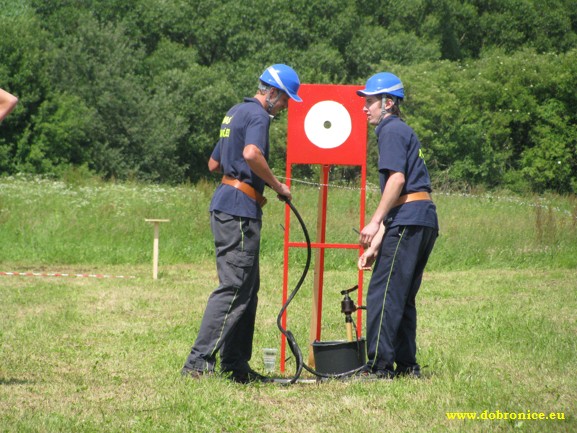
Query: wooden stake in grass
(156, 223)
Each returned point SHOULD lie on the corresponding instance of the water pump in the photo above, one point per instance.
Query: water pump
(348, 307)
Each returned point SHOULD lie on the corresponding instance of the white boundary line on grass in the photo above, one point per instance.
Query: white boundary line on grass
(58, 274)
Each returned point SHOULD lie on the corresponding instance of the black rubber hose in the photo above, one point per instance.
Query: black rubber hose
(294, 347)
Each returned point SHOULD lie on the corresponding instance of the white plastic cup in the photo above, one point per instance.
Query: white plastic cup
(269, 356)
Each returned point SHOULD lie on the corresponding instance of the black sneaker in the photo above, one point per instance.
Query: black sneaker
(369, 373)
(413, 372)
(248, 376)
(384, 374)
(193, 373)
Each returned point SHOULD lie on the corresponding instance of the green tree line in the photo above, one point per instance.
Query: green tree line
(136, 89)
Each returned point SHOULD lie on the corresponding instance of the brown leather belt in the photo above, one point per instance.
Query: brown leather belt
(246, 188)
(412, 196)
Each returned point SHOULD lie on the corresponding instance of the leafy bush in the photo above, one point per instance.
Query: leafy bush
(137, 89)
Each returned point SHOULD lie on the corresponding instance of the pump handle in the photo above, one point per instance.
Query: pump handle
(352, 289)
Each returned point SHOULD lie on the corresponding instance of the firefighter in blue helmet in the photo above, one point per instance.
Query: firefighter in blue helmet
(400, 235)
(241, 154)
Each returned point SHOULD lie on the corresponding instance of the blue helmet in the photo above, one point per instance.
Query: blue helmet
(383, 82)
(282, 77)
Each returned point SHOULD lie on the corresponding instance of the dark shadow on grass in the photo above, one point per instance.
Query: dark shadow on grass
(13, 381)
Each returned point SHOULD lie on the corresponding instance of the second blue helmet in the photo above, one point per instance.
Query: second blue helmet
(383, 82)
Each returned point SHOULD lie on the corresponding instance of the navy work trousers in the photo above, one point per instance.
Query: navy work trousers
(228, 322)
(391, 309)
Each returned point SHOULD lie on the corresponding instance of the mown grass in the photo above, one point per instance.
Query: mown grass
(496, 317)
(44, 222)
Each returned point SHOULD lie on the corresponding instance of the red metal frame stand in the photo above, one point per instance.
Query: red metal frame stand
(318, 134)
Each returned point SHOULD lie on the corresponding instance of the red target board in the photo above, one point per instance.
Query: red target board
(328, 127)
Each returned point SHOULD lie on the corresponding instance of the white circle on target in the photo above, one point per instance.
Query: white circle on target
(328, 124)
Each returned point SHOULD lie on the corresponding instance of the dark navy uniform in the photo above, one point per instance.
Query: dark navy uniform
(228, 322)
(411, 231)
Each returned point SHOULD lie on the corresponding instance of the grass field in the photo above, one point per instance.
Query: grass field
(497, 323)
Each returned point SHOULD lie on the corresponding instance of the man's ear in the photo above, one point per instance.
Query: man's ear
(273, 92)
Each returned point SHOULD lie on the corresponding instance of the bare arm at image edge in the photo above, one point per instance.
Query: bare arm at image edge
(7, 103)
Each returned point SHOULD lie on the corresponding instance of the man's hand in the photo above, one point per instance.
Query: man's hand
(368, 233)
(367, 260)
(284, 192)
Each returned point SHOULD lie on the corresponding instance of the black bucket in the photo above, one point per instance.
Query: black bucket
(336, 357)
